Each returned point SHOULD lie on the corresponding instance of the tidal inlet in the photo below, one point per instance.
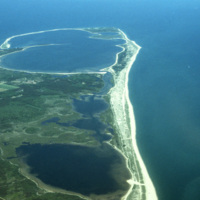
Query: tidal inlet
(67, 127)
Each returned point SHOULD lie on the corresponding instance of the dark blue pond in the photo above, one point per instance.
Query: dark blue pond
(164, 82)
(89, 105)
(85, 170)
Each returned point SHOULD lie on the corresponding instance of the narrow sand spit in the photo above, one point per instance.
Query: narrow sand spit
(125, 124)
(141, 186)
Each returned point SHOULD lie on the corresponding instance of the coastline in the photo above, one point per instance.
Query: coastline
(54, 73)
(141, 187)
(24, 170)
(125, 123)
(6, 45)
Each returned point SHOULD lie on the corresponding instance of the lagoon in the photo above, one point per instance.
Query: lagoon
(60, 51)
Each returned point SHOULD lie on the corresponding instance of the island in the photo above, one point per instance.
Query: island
(53, 126)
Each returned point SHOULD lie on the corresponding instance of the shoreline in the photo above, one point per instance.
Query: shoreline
(24, 170)
(6, 45)
(123, 114)
(120, 106)
(53, 73)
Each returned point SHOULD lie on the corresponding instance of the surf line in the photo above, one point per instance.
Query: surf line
(125, 123)
(123, 116)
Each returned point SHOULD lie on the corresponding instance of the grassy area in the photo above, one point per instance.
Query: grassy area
(26, 101)
(14, 186)
(4, 87)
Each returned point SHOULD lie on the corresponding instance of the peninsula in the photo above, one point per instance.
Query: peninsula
(82, 113)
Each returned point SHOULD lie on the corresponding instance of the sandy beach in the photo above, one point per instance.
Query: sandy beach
(125, 123)
(141, 186)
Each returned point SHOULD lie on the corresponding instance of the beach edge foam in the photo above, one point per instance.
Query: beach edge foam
(124, 118)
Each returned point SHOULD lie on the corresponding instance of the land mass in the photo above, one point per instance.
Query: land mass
(27, 100)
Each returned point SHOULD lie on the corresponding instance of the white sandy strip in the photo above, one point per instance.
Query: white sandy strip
(28, 47)
(150, 190)
(6, 45)
(41, 45)
(124, 118)
(125, 122)
(54, 73)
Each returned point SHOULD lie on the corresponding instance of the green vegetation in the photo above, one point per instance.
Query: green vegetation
(4, 87)
(121, 62)
(26, 100)
(14, 186)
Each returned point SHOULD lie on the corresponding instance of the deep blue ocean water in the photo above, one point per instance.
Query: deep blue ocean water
(164, 81)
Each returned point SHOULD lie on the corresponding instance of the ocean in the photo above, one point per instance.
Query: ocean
(163, 83)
